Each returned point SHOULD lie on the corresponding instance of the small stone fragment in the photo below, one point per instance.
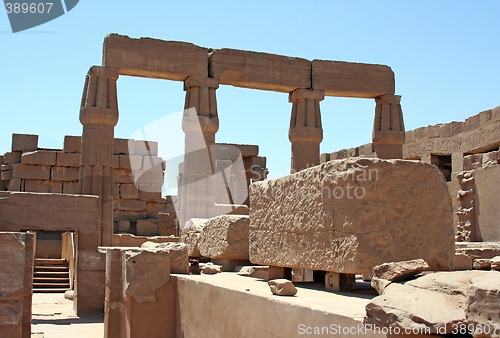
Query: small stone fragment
(211, 269)
(282, 287)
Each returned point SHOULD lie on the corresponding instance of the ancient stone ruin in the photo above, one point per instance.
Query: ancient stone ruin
(384, 239)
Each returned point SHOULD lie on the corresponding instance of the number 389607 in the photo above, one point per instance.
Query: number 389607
(25, 7)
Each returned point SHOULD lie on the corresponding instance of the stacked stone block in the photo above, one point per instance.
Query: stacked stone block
(138, 177)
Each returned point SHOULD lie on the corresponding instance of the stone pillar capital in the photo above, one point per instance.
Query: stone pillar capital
(303, 94)
(107, 72)
(306, 131)
(99, 104)
(388, 128)
(200, 82)
(388, 98)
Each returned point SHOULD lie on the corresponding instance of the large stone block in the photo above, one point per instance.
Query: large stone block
(49, 212)
(350, 215)
(153, 58)
(24, 142)
(72, 144)
(32, 172)
(225, 237)
(64, 174)
(259, 70)
(45, 157)
(350, 79)
(43, 186)
(68, 159)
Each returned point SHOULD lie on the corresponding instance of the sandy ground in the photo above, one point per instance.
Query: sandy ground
(53, 317)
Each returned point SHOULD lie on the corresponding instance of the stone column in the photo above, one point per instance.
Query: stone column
(306, 131)
(99, 116)
(389, 129)
(200, 124)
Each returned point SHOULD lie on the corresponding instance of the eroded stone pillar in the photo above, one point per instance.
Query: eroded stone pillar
(388, 129)
(99, 116)
(306, 131)
(200, 123)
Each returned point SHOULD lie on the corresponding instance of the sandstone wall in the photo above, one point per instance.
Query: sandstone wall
(138, 177)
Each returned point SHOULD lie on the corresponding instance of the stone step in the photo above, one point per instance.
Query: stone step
(55, 267)
(50, 280)
(51, 261)
(50, 290)
(50, 285)
(61, 274)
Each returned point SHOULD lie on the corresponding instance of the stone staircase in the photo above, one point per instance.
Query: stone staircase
(50, 275)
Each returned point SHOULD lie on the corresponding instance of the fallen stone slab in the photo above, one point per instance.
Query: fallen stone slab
(478, 249)
(318, 218)
(386, 273)
(436, 303)
(225, 237)
(190, 235)
(282, 287)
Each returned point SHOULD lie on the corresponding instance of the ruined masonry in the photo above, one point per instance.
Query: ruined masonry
(405, 208)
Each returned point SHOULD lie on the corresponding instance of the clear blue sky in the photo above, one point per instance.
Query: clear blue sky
(445, 55)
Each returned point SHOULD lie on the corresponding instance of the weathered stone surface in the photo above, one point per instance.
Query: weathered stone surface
(282, 287)
(211, 269)
(398, 271)
(318, 218)
(16, 283)
(178, 253)
(146, 273)
(495, 263)
(255, 271)
(386, 273)
(191, 233)
(478, 249)
(483, 303)
(68, 159)
(225, 237)
(259, 70)
(147, 227)
(379, 284)
(437, 302)
(48, 212)
(352, 79)
(481, 264)
(462, 262)
(153, 58)
(12, 256)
